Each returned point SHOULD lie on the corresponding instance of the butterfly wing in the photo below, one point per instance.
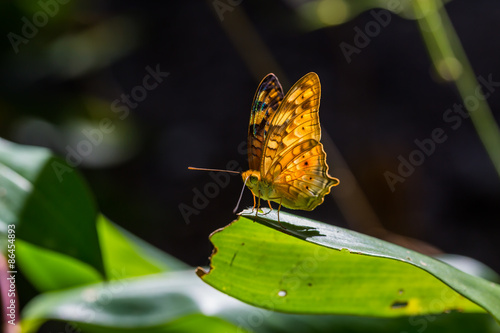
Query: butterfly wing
(266, 101)
(294, 160)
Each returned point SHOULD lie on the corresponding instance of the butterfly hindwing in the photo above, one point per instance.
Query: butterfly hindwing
(266, 102)
(304, 181)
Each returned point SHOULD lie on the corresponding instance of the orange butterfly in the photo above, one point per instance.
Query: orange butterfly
(286, 158)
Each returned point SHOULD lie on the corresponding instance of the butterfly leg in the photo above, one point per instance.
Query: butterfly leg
(258, 207)
(254, 202)
(271, 207)
(279, 208)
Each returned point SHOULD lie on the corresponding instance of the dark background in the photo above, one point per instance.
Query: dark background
(68, 76)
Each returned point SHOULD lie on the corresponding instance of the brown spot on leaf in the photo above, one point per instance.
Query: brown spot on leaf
(399, 304)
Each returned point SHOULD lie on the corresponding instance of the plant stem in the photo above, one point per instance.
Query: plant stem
(451, 63)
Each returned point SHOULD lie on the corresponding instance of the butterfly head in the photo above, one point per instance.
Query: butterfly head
(251, 178)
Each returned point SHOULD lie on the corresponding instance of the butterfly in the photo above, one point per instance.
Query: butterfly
(287, 162)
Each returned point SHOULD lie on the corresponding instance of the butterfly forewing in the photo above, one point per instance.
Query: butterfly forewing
(266, 102)
(297, 120)
(294, 160)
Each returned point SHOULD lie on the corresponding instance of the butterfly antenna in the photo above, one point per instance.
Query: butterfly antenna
(241, 195)
(219, 170)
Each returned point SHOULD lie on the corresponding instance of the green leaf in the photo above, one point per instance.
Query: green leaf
(180, 302)
(125, 255)
(187, 324)
(48, 202)
(470, 266)
(156, 303)
(312, 267)
(49, 270)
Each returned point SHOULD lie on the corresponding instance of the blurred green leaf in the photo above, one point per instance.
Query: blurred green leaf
(49, 270)
(146, 304)
(54, 213)
(48, 202)
(312, 267)
(470, 266)
(318, 14)
(188, 324)
(126, 255)
(321, 13)
(180, 302)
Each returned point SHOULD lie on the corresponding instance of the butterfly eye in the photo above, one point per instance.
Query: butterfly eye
(253, 179)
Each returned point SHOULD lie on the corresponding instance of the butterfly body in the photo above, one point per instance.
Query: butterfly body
(263, 188)
(287, 160)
